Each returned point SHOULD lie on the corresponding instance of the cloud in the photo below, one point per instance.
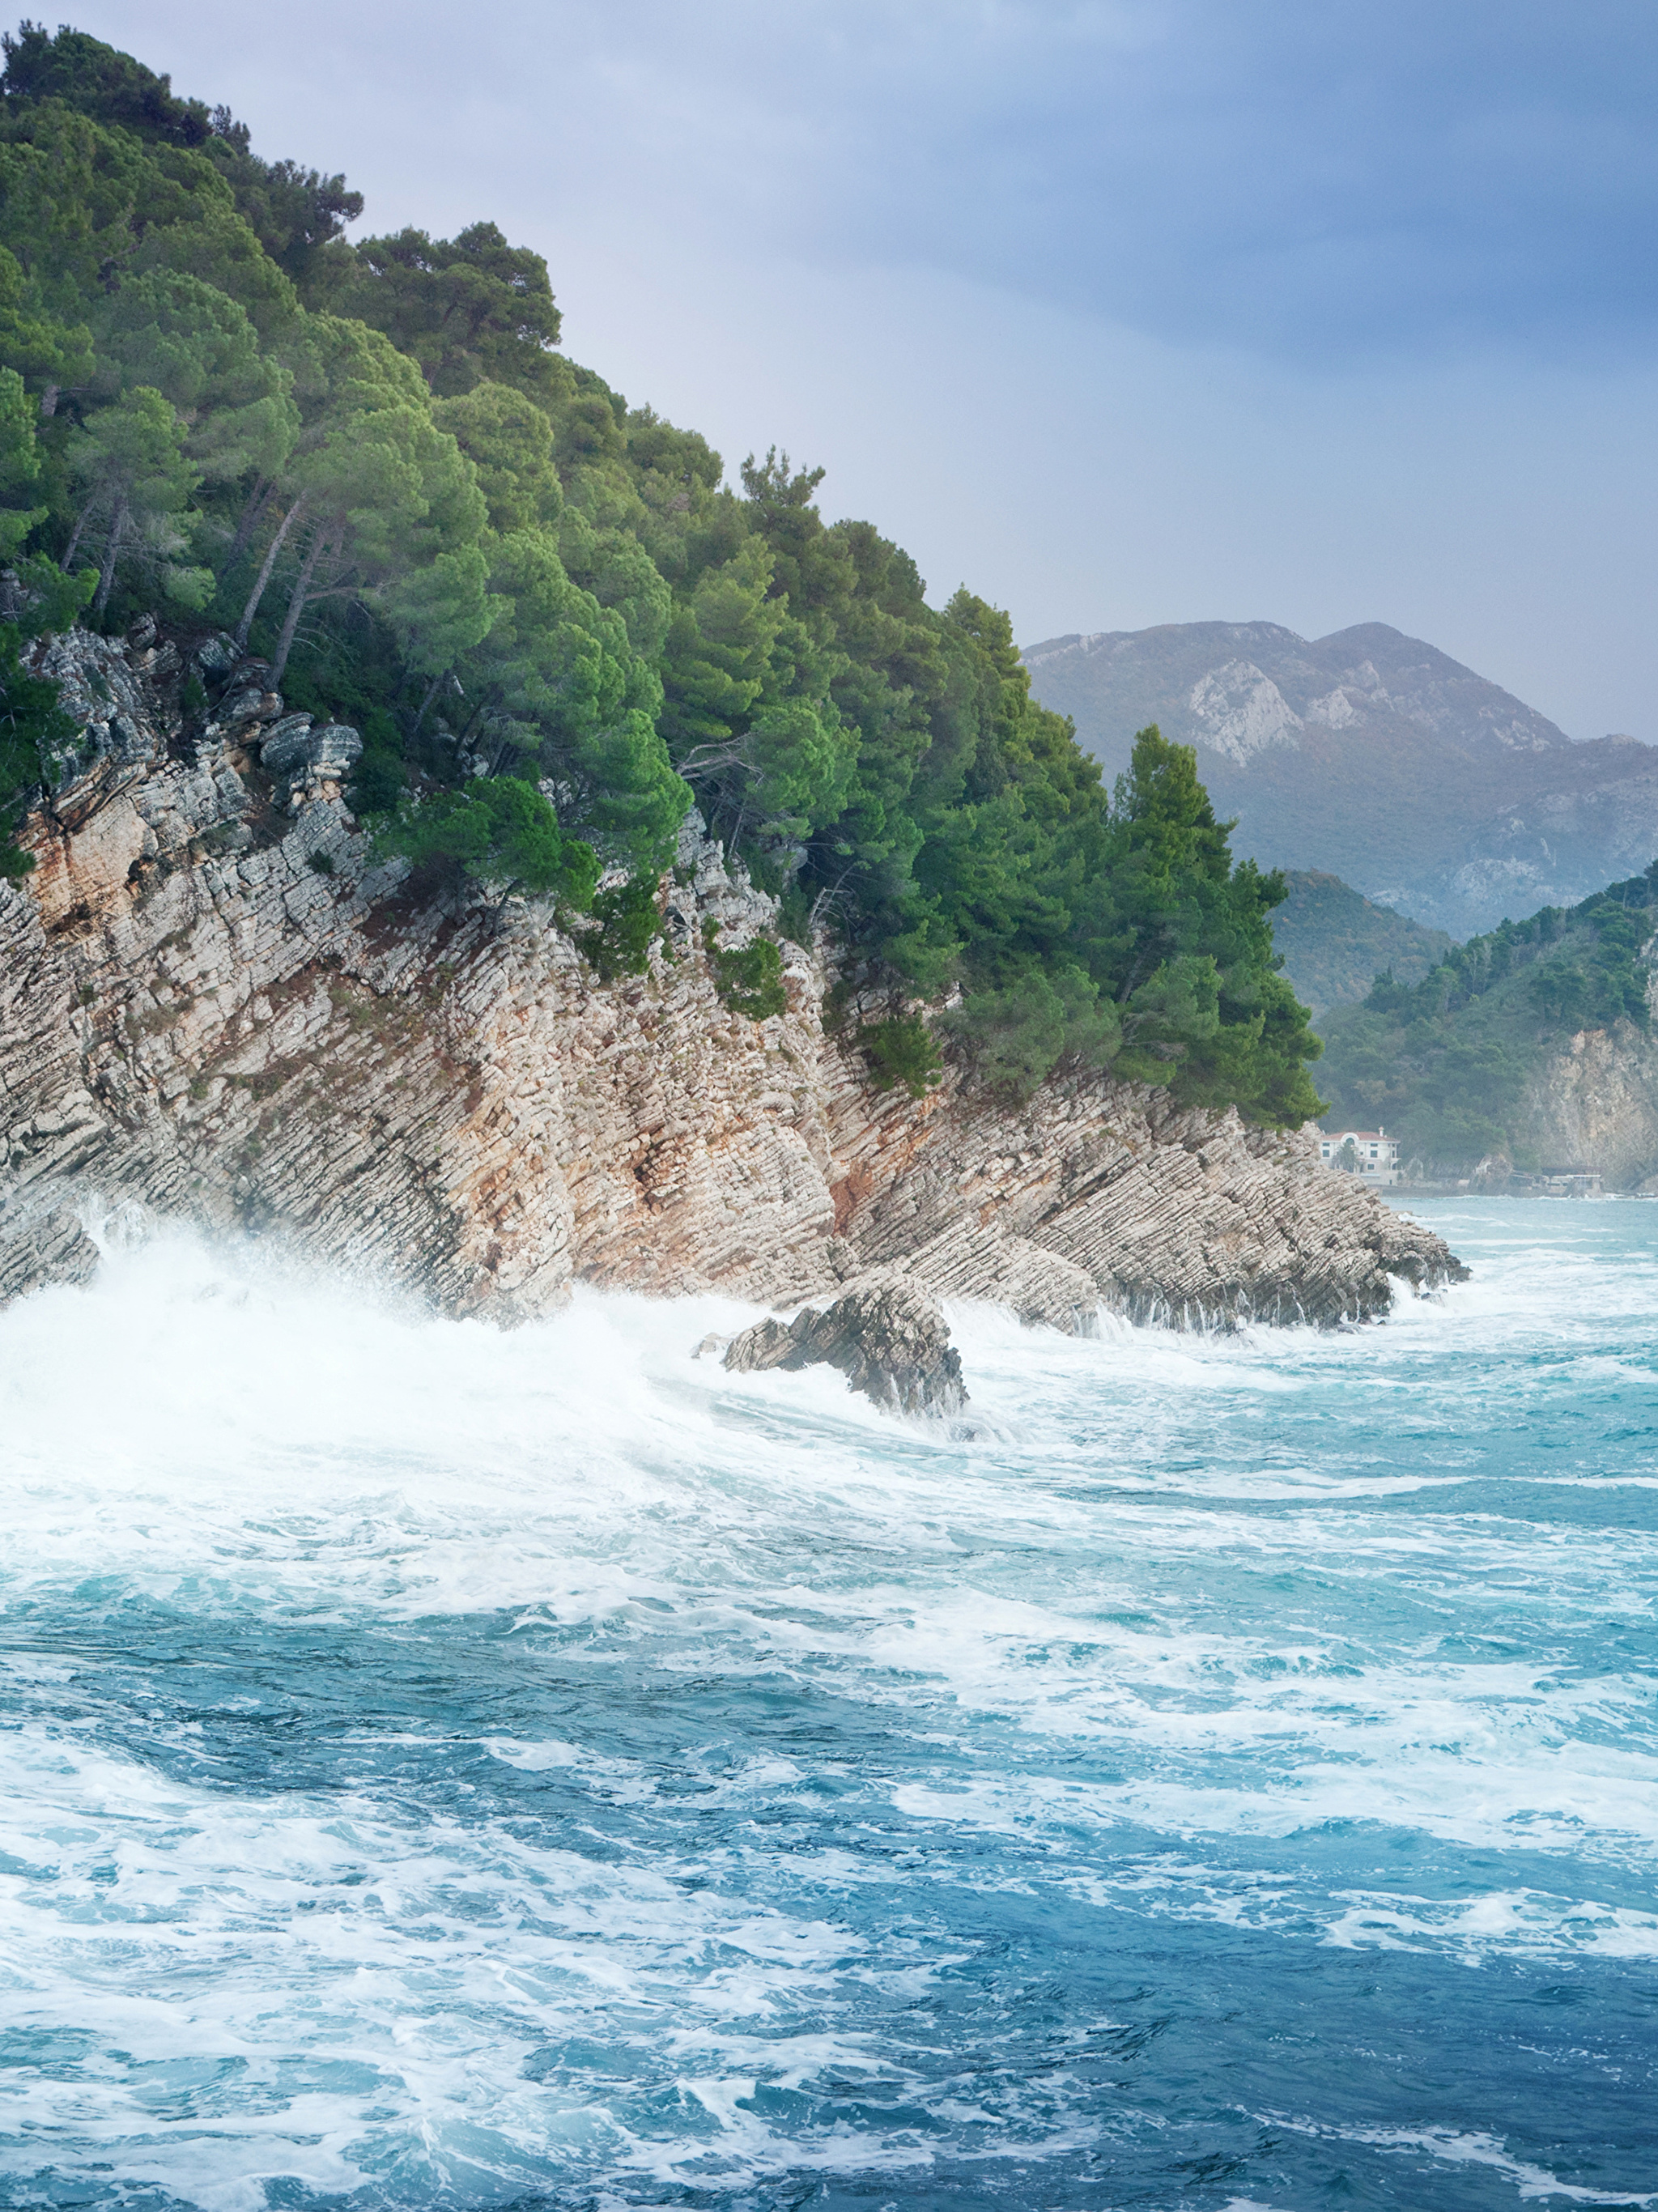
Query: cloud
(1318, 181)
(1315, 179)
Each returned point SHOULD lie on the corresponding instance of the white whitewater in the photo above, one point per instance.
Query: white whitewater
(451, 1765)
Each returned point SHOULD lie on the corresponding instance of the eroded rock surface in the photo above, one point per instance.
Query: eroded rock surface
(1595, 1104)
(889, 1340)
(212, 1004)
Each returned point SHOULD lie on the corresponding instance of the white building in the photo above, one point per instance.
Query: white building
(1374, 1154)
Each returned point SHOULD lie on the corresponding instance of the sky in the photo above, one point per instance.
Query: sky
(1121, 312)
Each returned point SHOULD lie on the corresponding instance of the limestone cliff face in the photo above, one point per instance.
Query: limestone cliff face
(1596, 1105)
(212, 1004)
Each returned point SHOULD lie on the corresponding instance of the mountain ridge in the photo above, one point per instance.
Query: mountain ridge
(1334, 942)
(1345, 657)
(1370, 754)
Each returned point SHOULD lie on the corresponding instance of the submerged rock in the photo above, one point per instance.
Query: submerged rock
(889, 1338)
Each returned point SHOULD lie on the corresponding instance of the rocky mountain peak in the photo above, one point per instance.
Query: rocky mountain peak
(1370, 754)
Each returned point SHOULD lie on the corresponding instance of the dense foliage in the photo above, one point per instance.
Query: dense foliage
(371, 463)
(902, 1050)
(1443, 1063)
(498, 830)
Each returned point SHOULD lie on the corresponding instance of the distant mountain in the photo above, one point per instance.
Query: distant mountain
(1372, 756)
(1336, 942)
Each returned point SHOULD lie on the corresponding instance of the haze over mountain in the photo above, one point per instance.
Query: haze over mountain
(1372, 756)
(1335, 942)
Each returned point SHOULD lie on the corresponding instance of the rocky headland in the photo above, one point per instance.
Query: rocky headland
(215, 1005)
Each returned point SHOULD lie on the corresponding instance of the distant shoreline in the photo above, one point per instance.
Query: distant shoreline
(1464, 1190)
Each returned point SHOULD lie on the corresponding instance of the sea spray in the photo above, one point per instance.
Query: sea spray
(538, 1764)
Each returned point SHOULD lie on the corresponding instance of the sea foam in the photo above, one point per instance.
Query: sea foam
(451, 1762)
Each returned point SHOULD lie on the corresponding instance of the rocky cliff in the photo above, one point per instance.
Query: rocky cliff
(1593, 1105)
(213, 1005)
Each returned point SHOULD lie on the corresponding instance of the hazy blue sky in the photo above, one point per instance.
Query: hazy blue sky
(1125, 312)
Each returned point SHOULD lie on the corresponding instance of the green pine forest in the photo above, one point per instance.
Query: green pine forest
(556, 624)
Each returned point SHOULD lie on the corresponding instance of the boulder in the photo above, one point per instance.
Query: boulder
(250, 704)
(324, 753)
(283, 744)
(888, 1338)
(331, 751)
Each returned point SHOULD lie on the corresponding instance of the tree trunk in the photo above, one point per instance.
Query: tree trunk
(117, 532)
(301, 591)
(258, 499)
(74, 545)
(431, 693)
(261, 581)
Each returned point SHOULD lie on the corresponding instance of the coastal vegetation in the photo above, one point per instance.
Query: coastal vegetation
(556, 623)
(1444, 1063)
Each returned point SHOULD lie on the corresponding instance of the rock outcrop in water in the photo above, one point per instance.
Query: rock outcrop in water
(211, 1004)
(889, 1340)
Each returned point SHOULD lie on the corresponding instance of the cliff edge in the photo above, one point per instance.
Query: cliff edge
(213, 1005)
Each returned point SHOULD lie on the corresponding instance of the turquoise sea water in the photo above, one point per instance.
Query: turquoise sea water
(451, 1768)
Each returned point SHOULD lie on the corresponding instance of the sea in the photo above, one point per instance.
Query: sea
(450, 1767)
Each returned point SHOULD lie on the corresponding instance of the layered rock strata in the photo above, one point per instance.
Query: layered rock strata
(888, 1338)
(213, 1005)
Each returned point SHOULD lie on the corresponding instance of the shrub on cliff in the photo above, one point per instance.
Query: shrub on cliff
(900, 1050)
(750, 978)
(625, 926)
(31, 712)
(497, 830)
(21, 725)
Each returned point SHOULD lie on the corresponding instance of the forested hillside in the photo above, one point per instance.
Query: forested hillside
(1444, 1063)
(1335, 942)
(554, 621)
